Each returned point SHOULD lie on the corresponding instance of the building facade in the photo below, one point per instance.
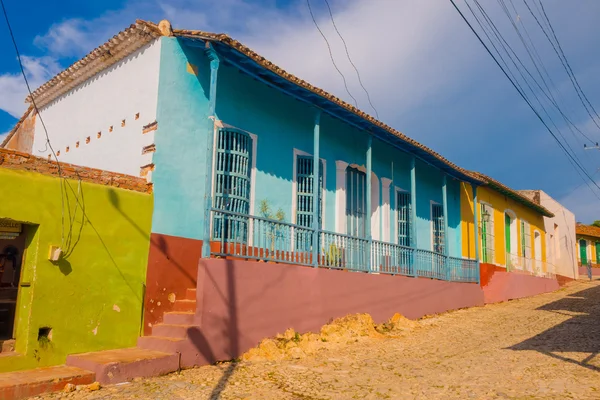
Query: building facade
(560, 234)
(267, 191)
(512, 231)
(87, 297)
(587, 245)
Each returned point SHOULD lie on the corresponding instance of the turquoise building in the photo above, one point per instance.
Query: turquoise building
(236, 144)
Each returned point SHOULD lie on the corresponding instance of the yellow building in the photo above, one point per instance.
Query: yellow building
(511, 227)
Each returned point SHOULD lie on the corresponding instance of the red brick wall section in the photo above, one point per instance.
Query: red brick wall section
(16, 160)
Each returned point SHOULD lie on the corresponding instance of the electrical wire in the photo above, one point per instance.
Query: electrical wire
(515, 85)
(350, 59)
(565, 64)
(506, 47)
(330, 53)
(39, 115)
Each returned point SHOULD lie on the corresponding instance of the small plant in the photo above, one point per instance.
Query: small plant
(273, 230)
(296, 337)
(333, 257)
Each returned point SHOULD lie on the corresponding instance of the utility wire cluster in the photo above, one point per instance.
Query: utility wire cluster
(531, 78)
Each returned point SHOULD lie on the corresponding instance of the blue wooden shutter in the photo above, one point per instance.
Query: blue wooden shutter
(403, 209)
(356, 202)
(232, 179)
(304, 191)
(437, 215)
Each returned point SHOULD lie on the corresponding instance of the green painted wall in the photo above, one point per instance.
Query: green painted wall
(92, 299)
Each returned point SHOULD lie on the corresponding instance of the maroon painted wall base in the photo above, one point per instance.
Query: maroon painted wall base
(241, 302)
(583, 272)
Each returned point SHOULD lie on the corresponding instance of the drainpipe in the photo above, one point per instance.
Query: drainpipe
(210, 137)
(476, 230)
(445, 211)
(413, 212)
(316, 189)
(369, 201)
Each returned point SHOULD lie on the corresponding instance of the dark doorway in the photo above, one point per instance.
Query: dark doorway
(13, 238)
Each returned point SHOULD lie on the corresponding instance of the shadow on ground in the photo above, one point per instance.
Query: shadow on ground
(579, 334)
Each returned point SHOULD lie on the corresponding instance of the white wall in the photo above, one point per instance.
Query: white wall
(118, 93)
(565, 259)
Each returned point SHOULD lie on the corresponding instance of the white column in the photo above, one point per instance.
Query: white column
(375, 218)
(385, 209)
(340, 196)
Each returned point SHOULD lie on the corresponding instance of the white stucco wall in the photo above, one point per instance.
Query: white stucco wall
(565, 259)
(118, 93)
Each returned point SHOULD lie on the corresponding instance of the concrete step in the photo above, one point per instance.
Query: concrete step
(32, 382)
(172, 330)
(114, 366)
(185, 305)
(190, 294)
(179, 318)
(160, 343)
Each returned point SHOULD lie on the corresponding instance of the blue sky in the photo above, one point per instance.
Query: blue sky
(425, 71)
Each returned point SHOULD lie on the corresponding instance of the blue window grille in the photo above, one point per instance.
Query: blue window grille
(437, 217)
(356, 202)
(304, 199)
(404, 223)
(232, 183)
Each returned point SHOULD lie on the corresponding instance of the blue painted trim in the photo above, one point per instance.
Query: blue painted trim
(316, 188)
(413, 207)
(369, 193)
(476, 224)
(446, 233)
(210, 126)
(250, 67)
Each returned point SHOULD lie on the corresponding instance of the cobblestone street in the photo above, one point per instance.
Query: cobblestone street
(544, 347)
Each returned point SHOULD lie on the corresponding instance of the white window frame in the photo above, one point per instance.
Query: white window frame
(431, 203)
(397, 190)
(218, 124)
(340, 199)
(296, 153)
(493, 219)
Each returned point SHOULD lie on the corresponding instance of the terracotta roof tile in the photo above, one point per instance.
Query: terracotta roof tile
(512, 193)
(587, 230)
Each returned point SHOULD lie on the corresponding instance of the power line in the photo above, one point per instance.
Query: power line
(350, 59)
(330, 53)
(572, 160)
(533, 54)
(567, 61)
(39, 115)
(564, 62)
(525, 98)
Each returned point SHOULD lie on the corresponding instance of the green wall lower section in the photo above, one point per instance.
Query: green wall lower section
(91, 298)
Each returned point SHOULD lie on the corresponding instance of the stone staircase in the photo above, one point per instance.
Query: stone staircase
(166, 350)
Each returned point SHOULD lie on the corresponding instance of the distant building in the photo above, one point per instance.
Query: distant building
(588, 245)
(560, 234)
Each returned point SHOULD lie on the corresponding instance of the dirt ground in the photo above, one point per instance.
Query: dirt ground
(544, 347)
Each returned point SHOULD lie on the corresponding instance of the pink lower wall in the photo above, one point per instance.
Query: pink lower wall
(504, 286)
(242, 302)
(584, 275)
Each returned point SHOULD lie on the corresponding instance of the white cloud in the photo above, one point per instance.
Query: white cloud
(68, 38)
(13, 88)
